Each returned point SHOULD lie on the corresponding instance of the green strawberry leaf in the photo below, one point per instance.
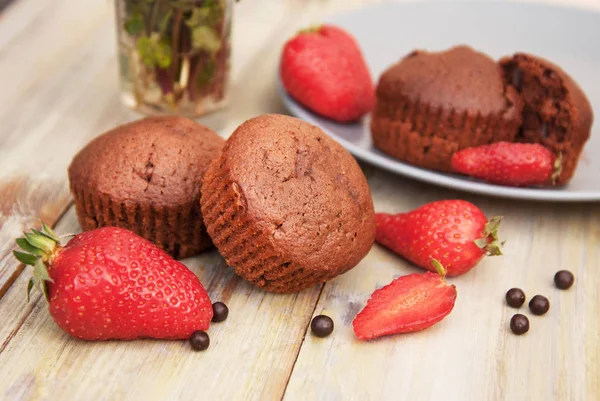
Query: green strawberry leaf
(26, 258)
(29, 288)
(490, 241)
(26, 246)
(206, 39)
(40, 241)
(49, 232)
(40, 271)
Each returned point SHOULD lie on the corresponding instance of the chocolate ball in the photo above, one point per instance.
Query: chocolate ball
(199, 340)
(515, 297)
(519, 324)
(564, 279)
(539, 305)
(322, 326)
(220, 312)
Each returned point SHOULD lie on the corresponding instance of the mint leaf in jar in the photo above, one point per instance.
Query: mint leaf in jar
(134, 25)
(205, 38)
(162, 54)
(198, 17)
(154, 52)
(145, 49)
(210, 13)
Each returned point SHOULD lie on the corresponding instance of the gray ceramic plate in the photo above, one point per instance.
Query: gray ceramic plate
(569, 37)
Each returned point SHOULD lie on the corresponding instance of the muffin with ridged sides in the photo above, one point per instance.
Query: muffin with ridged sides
(286, 205)
(431, 104)
(146, 176)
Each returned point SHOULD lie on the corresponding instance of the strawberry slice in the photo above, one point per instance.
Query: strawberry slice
(409, 303)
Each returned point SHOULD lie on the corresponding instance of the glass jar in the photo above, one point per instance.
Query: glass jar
(174, 55)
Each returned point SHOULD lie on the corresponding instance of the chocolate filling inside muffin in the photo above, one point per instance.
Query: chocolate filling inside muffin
(556, 112)
(546, 115)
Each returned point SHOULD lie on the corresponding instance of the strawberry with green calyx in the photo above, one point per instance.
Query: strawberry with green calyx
(507, 163)
(454, 232)
(408, 304)
(110, 283)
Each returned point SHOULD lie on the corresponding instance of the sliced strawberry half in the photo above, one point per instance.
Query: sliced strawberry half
(409, 303)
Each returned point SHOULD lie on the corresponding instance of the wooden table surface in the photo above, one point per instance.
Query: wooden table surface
(60, 89)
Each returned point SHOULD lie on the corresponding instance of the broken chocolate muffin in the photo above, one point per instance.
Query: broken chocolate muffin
(556, 112)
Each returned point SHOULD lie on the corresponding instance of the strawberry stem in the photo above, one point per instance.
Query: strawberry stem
(310, 29)
(70, 235)
(438, 267)
(40, 248)
(490, 241)
(557, 168)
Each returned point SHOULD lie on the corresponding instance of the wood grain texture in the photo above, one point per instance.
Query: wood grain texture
(250, 357)
(76, 98)
(472, 354)
(63, 91)
(47, 115)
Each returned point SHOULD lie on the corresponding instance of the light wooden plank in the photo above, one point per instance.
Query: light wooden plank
(54, 110)
(250, 357)
(252, 353)
(471, 354)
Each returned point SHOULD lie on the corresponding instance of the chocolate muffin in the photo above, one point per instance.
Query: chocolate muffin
(145, 176)
(431, 104)
(557, 113)
(286, 205)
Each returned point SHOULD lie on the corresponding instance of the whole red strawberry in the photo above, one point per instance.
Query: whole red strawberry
(507, 163)
(323, 69)
(110, 283)
(454, 232)
(409, 303)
